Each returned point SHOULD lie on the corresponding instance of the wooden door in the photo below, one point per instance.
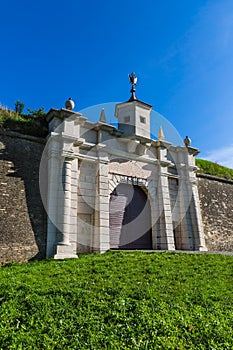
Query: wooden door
(130, 218)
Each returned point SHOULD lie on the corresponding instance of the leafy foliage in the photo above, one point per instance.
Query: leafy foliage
(33, 124)
(19, 106)
(211, 168)
(118, 300)
(37, 113)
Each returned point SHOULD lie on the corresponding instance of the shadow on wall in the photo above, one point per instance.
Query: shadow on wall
(22, 216)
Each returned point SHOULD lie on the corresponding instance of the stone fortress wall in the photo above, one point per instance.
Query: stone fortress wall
(23, 219)
(216, 198)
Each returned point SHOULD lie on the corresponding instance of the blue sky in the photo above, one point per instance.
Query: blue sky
(180, 50)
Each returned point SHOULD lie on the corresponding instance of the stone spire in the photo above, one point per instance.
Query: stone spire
(161, 134)
(102, 116)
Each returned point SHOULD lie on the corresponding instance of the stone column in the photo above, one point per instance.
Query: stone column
(64, 249)
(52, 196)
(74, 205)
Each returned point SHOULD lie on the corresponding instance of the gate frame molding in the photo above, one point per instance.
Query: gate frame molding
(148, 187)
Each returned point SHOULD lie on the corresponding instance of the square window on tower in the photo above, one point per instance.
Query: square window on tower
(142, 119)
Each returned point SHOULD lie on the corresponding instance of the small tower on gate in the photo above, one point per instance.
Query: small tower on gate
(134, 115)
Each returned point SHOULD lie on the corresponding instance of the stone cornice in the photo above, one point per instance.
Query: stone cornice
(64, 113)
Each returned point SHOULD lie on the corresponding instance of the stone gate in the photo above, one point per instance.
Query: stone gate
(87, 164)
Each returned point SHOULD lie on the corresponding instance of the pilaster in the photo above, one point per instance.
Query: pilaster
(194, 207)
(199, 239)
(52, 196)
(185, 226)
(101, 232)
(152, 183)
(166, 236)
(64, 248)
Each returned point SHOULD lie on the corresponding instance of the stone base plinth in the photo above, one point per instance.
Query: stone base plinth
(64, 252)
(202, 248)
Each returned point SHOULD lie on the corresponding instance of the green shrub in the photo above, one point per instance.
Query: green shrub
(37, 113)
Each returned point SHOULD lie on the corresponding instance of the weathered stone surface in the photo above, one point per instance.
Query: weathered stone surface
(22, 218)
(216, 200)
(129, 168)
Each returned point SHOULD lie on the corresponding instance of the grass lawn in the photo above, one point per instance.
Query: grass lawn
(118, 301)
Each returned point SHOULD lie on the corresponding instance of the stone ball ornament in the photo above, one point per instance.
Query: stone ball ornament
(187, 141)
(69, 104)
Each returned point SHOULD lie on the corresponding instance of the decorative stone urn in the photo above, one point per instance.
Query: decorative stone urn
(69, 104)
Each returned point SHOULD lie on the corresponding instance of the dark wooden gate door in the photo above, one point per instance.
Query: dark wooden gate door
(130, 218)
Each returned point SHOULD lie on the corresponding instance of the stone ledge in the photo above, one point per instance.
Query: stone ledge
(22, 136)
(215, 178)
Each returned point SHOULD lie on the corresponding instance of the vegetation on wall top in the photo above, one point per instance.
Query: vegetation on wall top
(32, 123)
(214, 169)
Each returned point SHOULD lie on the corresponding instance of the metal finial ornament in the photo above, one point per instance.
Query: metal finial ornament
(133, 81)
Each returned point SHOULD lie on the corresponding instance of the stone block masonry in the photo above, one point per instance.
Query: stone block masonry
(216, 197)
(22, 217)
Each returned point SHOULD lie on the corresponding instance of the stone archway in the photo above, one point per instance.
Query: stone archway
(130, 218)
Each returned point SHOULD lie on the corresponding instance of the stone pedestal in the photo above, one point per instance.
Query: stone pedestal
(64, 251)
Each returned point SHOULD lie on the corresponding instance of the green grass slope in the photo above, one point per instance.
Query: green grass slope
(207, 167)
(118, 301)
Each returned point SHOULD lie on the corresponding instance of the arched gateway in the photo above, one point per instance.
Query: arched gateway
(129, 218)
